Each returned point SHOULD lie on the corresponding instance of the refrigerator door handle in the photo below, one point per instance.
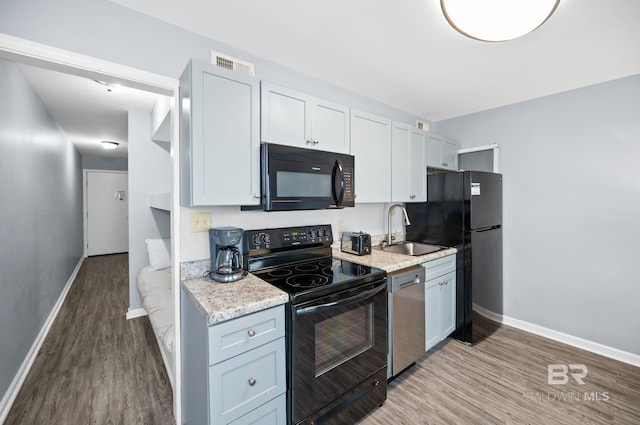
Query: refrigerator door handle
(486, 229)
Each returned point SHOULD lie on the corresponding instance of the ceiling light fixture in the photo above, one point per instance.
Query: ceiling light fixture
(110, 87)
(106, 144)
(497, 20)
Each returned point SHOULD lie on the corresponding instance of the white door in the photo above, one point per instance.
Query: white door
(107, 213)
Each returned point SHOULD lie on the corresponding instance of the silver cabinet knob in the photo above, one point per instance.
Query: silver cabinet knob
(412, 196)
(252, 382)
(251, 333)
(256, 195)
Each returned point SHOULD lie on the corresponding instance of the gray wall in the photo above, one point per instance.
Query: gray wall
(96, 162)
(40, 217)
(151, 174)
(571, 208)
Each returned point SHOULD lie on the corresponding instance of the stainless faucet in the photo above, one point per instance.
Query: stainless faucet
(406, 220)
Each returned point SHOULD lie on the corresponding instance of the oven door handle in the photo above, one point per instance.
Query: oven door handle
(358, 297)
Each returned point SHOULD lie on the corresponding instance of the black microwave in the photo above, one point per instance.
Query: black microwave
(305, 179)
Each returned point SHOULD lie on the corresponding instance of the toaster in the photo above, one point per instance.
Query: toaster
(358, 243)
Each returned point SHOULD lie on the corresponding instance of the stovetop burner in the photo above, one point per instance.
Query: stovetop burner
(298, 261)
(316, 273)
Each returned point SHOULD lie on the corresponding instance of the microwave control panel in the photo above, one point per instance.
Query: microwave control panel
(348, 185)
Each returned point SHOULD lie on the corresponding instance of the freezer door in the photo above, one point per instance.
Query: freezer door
(483, 196)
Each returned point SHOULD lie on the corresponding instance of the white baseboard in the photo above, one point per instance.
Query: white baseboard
(136, 312)
(594, 347)
(12, 392)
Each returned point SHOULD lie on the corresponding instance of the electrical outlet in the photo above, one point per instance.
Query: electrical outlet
(200, 222)
(340, 226)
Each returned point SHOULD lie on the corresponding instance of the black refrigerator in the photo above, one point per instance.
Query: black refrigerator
(464, 210)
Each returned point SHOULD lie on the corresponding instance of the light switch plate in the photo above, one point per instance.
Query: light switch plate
(200, 222)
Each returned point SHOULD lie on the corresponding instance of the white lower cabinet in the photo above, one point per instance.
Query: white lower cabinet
(233, 372)
(440, 299)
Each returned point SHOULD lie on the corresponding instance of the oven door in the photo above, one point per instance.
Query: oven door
(336, 343)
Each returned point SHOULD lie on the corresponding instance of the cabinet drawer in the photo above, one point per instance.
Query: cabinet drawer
(439, 267)
(245, 382)
(273, 412)
(236, 336)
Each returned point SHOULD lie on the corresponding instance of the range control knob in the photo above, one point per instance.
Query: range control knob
(265, 238)
(255, 239)
(312, 234)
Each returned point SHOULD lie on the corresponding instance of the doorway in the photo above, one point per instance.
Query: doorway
(107, 216)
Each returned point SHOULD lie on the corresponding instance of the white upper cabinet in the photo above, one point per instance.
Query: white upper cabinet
(371, 146)
(442, 152)
(290, 117)
(408, 164)
(219, 143)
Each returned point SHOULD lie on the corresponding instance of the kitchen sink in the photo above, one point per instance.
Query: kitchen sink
(413, 248)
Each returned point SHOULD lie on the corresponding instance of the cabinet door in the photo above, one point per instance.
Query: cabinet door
(244, 382)
(371, 146)
(418, 166)
(219, 144)
(431, 313)
(273, 412)
(434, 151)
(449, 154)
(285, 116)
(330, 126)
(400, 162)
(448, 305)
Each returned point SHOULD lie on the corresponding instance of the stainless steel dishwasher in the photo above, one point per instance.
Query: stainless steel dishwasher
(406, 318)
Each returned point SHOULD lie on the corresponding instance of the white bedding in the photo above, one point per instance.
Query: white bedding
(155, 290)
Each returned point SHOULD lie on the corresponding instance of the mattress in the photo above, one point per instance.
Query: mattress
(155, 290)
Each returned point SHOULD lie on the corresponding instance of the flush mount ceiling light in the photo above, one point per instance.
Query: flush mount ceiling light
(106, 144)
(497, 20)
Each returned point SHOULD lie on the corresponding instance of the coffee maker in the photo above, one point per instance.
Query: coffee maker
(225, 244)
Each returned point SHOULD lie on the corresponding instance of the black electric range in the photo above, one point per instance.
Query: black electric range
(336, 324)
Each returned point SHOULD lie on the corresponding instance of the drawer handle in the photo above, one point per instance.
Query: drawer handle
(252, 382)
(251, 333)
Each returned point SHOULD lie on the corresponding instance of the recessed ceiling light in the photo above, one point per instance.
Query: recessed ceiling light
(109, 145)
(497, 20)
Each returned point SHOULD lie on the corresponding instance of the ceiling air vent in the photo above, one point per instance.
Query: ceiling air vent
(232, 64)
(422, 125)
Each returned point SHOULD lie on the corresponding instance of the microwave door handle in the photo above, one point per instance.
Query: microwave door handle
(338, 182)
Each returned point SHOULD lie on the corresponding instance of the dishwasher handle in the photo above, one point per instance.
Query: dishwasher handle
(405, 278)
(411, 283)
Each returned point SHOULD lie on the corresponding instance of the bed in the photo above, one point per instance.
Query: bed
(154, 286)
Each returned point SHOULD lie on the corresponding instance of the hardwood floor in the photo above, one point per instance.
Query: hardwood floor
(96, 367)
(503, 380)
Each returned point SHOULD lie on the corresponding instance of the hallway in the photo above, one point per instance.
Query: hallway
(96, 367)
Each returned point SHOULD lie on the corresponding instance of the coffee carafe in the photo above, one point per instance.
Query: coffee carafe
(225, 244)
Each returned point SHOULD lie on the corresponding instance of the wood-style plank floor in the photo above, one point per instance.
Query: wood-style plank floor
(96, 367)
(503, 380)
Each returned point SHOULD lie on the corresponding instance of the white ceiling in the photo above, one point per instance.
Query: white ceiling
(87, 112)
(402, 53)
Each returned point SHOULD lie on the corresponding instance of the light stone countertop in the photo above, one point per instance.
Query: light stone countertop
(219, 302)
(390, 261)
